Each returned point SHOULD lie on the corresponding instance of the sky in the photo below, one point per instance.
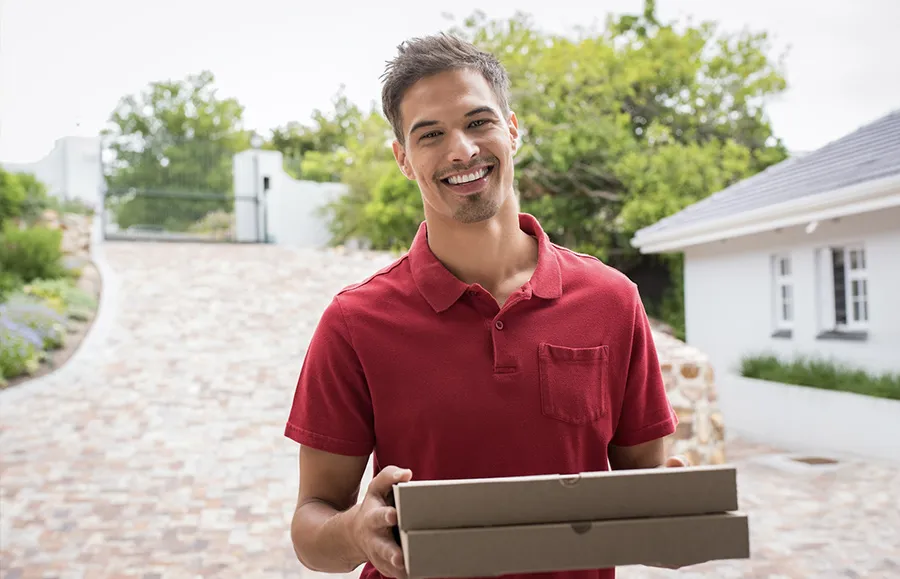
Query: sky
(65, 64)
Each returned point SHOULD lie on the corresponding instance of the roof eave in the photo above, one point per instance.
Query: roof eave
(858, 198)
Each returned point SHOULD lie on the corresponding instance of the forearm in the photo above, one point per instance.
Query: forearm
(322, 538)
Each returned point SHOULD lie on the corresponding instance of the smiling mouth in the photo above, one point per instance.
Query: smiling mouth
(468, 177)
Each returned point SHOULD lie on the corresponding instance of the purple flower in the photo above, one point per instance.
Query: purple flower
(46, 323)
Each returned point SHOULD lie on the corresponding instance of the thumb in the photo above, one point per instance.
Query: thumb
(388, 476)
(676, 462)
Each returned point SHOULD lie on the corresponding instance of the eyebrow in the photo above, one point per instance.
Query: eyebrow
(472, 113)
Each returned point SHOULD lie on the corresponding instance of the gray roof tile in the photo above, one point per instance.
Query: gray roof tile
(870, 152)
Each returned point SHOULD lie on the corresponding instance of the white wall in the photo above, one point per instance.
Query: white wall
(289, 209)
(810, 420)
(729, 305)
(72, 170)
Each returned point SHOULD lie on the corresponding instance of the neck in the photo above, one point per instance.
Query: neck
(489, 252)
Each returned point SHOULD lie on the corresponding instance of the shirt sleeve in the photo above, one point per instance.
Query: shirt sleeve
(646, 411)
(332, 407)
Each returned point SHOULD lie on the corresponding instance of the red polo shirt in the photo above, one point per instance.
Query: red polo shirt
(430, 374)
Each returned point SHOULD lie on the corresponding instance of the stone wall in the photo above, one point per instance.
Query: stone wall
(691, 386)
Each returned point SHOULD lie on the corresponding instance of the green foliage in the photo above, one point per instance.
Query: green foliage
(20, 349)
(63, 296)
(10, 283)
(32, 313)
(12, 196)
(820, 373)
(172, 148)
(318, 152)
(32, 253)
(382, 206)
(23, 197)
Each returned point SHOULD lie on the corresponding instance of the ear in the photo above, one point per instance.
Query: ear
(402, 160)
(513, 123)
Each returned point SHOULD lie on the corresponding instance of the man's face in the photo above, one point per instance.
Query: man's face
(459, 147)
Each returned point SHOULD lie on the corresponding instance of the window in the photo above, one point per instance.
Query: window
(784, 293)
(851, 291)
(843, 292)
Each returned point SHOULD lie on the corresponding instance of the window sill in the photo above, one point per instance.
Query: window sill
(785, 334)
(858, 336)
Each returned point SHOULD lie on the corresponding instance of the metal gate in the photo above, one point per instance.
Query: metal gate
(183, 191)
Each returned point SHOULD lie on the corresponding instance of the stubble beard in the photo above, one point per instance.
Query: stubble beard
(476, 208)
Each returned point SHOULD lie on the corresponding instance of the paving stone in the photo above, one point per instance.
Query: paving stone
(159, 452)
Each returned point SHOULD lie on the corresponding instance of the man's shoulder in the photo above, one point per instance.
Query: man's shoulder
(582, 269)
(390, 281)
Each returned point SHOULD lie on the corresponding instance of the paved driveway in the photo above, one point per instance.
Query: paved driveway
(158, 451)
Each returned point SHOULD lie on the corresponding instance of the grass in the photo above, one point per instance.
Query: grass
(824, 374)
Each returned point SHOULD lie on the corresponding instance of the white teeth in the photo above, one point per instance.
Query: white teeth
(458, 179)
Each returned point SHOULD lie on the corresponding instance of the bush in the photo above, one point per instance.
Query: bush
(12, 196)
(817, 373)
(32, 253)
(9, 284)
(20, 348)
(22, 196)
(23, 310)
(63, 296)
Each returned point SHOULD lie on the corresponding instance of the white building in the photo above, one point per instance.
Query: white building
(801, 259)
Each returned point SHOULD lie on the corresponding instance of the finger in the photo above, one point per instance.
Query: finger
(390, 558)
(676, 462)
(390, 475)
(381, 517)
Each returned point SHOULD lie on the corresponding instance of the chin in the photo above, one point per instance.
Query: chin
(477, 208)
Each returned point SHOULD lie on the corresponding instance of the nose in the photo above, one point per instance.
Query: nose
(461, 147)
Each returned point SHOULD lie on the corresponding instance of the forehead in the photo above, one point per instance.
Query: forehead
(446, 95)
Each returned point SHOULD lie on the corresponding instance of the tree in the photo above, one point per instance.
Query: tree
(315, 152)
(172, 148)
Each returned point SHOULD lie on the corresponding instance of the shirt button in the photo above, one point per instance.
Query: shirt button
(498, 324)
(472, 293)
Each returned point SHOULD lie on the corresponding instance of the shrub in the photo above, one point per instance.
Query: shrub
(63, 296)
(20, 348)
(824, 374)
(9, 283)
(23, 310)
(32, 253)
(12, 195)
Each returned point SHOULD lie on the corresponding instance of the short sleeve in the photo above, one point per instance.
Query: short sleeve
(646, 412)
(332, 407)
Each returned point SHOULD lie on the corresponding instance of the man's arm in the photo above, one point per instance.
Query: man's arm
(645, 455)
(330, 531)
(646, 416)
(321, 530)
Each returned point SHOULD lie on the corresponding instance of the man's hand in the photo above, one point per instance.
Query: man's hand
(374, 521)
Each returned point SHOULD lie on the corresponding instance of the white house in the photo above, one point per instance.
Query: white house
(800, 259)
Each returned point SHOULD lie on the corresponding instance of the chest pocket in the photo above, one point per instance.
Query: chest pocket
(574, 382)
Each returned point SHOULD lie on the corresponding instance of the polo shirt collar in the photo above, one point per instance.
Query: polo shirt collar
(441, 289)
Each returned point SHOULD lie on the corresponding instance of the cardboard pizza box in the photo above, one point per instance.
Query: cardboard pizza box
(597, 520)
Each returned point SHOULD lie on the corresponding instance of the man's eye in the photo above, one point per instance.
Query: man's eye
(430, 135)
(478, 122)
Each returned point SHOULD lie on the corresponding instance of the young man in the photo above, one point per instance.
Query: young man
(485, 351)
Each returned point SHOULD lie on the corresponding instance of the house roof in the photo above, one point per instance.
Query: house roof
(869, 153)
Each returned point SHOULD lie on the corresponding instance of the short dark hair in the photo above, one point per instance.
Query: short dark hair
(419, 58)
